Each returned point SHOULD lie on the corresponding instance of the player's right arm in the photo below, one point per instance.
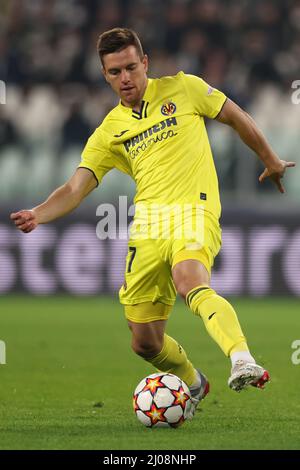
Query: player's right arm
(62, 201)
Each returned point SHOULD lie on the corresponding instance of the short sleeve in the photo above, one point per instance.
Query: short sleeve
(96, 155)
(206, 100)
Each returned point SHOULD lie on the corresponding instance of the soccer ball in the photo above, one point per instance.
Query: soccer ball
(162, 400)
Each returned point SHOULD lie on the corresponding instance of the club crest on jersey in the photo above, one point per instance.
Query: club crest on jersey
(168, 109)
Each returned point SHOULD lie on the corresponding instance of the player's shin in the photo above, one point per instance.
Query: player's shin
(172, 358)
(220, 320)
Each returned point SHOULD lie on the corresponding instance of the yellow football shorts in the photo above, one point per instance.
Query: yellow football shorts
(148, 292)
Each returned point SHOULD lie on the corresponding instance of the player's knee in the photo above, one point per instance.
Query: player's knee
(189, 274)
(146, 348)
(183, 282)
(183, 288)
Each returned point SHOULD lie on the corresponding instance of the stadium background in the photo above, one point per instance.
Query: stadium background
(56, 96)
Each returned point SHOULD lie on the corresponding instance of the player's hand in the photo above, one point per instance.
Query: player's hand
(276, 174)
(24, 220)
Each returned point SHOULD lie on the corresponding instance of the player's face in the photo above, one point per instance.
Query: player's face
(126, 73)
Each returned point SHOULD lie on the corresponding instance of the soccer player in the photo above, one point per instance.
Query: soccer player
(157, 135)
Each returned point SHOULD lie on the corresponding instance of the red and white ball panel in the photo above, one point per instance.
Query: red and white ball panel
(163, 397)
(162, 400)
(144, 400)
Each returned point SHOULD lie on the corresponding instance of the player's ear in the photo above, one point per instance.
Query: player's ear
(104, 73)
(145, 62)
(103, 68)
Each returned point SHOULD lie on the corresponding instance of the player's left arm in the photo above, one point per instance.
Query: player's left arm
(248, 131)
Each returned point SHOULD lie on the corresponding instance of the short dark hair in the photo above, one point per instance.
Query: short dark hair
(117, 39)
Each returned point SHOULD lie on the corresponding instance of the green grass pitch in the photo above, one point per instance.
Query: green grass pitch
(70, 375)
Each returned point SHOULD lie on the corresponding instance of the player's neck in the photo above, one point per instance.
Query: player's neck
(137, 106)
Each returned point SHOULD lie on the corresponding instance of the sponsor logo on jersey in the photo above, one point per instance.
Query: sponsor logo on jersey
(168, 109)
(148, 137)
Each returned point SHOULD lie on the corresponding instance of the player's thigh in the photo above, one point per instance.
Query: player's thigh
(148, 278)
(192, 259)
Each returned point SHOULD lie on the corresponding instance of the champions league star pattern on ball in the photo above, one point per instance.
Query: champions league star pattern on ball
(162, 400)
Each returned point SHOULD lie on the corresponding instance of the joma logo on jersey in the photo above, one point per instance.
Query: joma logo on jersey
(168, 108)
(130, 143)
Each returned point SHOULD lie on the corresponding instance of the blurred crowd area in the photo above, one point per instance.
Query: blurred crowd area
(56, 95)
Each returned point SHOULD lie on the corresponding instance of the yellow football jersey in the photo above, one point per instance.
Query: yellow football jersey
(164, 147)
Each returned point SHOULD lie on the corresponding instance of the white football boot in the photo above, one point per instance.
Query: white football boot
(244, 374)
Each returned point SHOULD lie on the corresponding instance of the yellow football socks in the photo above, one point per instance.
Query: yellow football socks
(219, 319)
(173, 359)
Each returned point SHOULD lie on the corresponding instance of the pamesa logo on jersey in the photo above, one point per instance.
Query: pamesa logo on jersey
(150, 136)
(168, 108)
